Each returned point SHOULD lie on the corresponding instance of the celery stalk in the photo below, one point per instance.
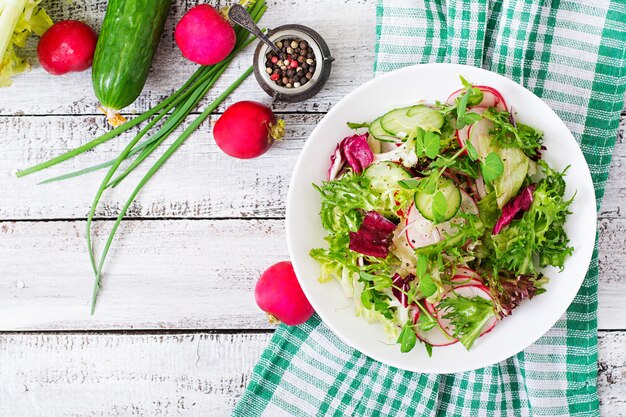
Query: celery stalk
(18, 19)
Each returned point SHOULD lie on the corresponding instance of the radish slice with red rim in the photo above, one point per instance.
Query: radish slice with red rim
(481, 190)
(468, 291)
(463, 135)
(434, 336)
(430, 308)
(491, 98)
(419, 230)
(461, 280)
(468, 205)
(463, 271)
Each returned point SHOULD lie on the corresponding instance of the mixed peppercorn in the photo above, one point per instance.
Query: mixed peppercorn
(294, 66)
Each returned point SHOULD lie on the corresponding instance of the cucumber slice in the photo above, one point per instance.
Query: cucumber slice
(427, 118)
(376, 130)
(424, 201)
(385, 175)
(406, 119)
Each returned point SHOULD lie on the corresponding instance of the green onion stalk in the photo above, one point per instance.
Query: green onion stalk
(173, 111)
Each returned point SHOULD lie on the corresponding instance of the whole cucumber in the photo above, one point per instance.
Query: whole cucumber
(130, 34)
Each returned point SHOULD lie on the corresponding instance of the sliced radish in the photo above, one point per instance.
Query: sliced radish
(419, 230)
(463, 271)
(435, 337)
(468, 291)
(430, 307)
(462, 135)
(478, 135)
(461, 280)
(481, 190)
(402, 249)
(468, 205)
(491, 98)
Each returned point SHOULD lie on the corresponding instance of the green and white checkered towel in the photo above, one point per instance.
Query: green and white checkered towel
(570, 53)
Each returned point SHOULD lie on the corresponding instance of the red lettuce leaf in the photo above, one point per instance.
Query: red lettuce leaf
(377, 222)
(514, 291)
(336, 163)
(357, 152)
(515, 208)
(402, 283)
(374, 235)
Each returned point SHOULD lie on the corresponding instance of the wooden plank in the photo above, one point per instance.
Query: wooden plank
(125, 375)
(163, 374)
(198, 181)
(162, 274)
(612, 373)
(184, 274)
(615, 191)
(39, 93)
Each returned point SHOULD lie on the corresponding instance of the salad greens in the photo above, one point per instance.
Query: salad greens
(442, 232)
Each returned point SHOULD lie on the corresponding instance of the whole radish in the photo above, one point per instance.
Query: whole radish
(279, 294)
(68, 46)
(247, 129)
(204, 36)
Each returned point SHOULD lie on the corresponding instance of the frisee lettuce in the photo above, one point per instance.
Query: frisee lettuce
(508, 135)
(467, 315)
(539, 232)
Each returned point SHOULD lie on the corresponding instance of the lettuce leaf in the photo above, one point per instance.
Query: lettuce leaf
(508, 184)
(18, 20)
(467, 315)
(540, 232)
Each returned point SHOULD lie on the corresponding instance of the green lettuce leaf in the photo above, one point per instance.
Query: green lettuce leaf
(539, 232)
(468, 316)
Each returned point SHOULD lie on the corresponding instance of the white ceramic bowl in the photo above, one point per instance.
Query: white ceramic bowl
(404, 87)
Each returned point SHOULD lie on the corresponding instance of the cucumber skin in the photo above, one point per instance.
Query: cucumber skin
(130, 33)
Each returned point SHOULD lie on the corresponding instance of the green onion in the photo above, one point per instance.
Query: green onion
(256, 10)
(166, 155)
(172, 112)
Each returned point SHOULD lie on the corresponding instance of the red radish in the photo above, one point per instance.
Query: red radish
(419, 230)
(461, 280)
(462, 135)
(247, 129)
(469, 291)
(279, 294)
(68, 46)
(430, 307)
(434, 336)
(468, 205)
(491, 98)
(463, 271)
(479, 136)
(204, 36)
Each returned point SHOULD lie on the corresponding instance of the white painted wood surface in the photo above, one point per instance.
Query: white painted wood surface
(203, 230)
(121, 375)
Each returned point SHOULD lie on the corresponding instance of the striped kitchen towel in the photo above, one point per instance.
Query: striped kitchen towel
(571, 54)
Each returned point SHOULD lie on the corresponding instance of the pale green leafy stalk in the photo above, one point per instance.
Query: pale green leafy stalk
(18, 20)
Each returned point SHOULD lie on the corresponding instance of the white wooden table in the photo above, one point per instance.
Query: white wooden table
(176, 330)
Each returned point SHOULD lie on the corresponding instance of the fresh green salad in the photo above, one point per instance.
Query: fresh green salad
(440, 218)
